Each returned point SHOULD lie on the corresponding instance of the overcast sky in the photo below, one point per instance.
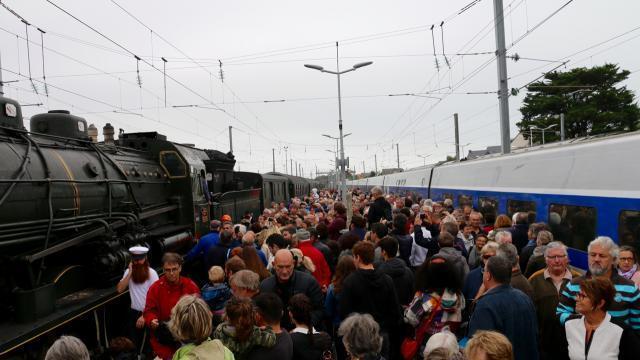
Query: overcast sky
(273, 101)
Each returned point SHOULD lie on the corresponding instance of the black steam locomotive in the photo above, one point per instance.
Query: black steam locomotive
(71, 207)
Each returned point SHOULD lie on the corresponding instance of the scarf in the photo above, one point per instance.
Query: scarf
(628, 274)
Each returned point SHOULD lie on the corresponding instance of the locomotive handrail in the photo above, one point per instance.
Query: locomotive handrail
(93, 233)
(74, 241)
(62, 220)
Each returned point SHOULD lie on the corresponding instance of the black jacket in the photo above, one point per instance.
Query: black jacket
(378, 210)
(371, 292)
(303, 349)
(217, 256)
(299, 282)
(525, 255)
(405, 242)
(519, 235)
(402, 278)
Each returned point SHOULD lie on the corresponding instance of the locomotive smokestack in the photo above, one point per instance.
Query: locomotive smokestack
(107, 132)
(93, 133)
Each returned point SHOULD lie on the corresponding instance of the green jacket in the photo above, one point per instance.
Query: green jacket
(208, 350)
(227, 334)
(551, 338)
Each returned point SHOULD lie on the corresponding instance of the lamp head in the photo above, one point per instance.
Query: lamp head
(359, 65)
(315, 67)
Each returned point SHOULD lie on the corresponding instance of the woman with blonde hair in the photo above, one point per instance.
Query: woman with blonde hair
(490, 345)
(191, 325)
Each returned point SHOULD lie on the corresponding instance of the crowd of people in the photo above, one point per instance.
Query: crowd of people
(393, 277)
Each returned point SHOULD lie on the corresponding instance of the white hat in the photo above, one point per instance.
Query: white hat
(138, 251)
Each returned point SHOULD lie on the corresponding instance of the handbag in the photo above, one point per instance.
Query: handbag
(411, 344)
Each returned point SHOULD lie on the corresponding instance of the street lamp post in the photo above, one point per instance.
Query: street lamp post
(343, 178)
(545, 129)
(531, 128)
(424, 159)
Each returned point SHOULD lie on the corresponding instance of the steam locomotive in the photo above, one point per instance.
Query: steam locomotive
(71, 207)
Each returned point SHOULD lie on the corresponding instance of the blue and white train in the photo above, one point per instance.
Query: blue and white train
(582, 188)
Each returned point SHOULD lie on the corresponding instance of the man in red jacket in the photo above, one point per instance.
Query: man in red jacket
(322, 273)
(161, 298)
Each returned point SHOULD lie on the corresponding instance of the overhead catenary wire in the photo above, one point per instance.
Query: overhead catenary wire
(203, 68)
(101, 71)
(183, 85)
(486, 30)
(102, 102)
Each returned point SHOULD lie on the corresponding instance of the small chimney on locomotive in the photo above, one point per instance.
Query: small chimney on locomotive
(107, 132)
(93, 133)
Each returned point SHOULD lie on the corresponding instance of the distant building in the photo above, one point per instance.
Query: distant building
(390, 171)
(519, 142)
(488, 151)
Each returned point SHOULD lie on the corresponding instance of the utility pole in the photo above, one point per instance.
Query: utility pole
(273, 157)
(457, 133)
(398, 154)
(230, 140)
(375, 159)
(503, 94)
(363, 169)
(286, 160)
(291, 167)
(1, 87)
(561, 124)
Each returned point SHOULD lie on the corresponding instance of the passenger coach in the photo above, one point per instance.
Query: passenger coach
(582, 188)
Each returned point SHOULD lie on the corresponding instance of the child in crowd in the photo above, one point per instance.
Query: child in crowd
(217, 293)
(239, 331)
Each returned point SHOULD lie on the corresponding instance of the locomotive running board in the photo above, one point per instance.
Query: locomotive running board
(15, 335)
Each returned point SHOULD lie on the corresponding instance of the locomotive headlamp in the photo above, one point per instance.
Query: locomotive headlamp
(10, 110)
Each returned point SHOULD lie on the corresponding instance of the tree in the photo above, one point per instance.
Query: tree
(589, 98)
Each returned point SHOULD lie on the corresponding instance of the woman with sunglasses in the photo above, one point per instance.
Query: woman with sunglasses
(594, 335)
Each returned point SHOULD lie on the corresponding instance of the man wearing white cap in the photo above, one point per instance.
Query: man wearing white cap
(138, 277)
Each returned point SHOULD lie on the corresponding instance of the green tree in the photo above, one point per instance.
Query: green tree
(589, 98)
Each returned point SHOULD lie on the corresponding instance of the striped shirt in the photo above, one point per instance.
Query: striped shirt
(625, 306)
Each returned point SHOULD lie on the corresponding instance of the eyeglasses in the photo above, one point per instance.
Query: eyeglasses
(171, 270)
(625, 259)
(556, 257)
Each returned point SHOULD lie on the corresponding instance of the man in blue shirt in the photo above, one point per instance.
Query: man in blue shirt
(205, 243)
(506, 310)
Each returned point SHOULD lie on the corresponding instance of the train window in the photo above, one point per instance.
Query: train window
(465, 200)
(575, 226)
(488, 207)
(514, 206)
(629, 228)
(173, 165)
